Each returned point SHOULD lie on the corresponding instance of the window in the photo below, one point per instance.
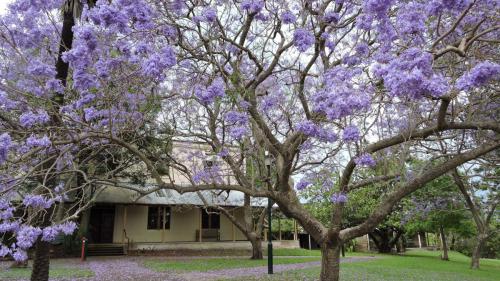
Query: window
(156, 215)
(210, 219)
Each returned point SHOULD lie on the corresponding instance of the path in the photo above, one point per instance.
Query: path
(257, 271)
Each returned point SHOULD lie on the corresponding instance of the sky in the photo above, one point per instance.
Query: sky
(3, 5)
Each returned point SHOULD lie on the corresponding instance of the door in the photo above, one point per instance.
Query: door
(101, 225)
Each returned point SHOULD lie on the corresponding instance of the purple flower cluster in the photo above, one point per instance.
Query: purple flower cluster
(288, 17)
(378, 8)
(37, 201)
(365, 160)
(351, 133)
(338, 198)
(209, 14)
(41, 69)
(29, 119)
(303, 184)
(310, 129)
(26, 236)
(331, 17)
(411, 75)
(32, 141)
(208, 95)
(238, 122)
(157, 63)
(5, 145)
(479, 75)
(208, 175)
(303, 39)
(340, 98)
(252, 6)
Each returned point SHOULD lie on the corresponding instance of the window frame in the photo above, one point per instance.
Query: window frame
(161, 212)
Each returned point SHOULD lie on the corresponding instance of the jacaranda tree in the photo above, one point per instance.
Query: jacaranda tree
(335, 86)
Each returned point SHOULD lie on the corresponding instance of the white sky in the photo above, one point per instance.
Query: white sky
(3, 5)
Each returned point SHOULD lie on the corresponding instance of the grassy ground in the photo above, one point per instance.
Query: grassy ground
(57, 272)
(218, 263)
(416, 265)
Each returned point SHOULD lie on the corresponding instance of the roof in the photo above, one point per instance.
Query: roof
(114, 194)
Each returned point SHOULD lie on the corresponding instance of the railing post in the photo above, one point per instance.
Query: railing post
(84, 249)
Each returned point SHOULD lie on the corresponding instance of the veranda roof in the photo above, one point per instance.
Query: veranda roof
(119, 195)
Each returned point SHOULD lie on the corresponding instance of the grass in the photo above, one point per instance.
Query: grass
(416, 265)
(207, 264)
(305, 252)
(56, 272)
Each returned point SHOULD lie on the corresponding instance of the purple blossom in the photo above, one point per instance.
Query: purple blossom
(33, 141)
(67, 228)
(377, 7)
(7, 226)
(252, 6)
(5, 145)
(303, 39)
(157, 63)
(479, 75)
(365, 160)
(4, 250)
(19, 255)
(26, 236)
(37, 201)
(331, 17)
(86, 34)
(351, 133)
(54, 85)
(49, 233)
(362, 49)
(302, 184)
(223, 153)
(309, 128)
(338, 198)
(411, 75)
(215, 90)
(237, 132)
(236, 117)
(288, 17)
(29, 119)
(209, 14)
(38, 68)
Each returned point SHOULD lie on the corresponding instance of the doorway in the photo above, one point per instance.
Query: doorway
(101, 225)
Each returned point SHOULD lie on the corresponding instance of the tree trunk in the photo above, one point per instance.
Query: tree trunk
(443, 243)
(256, 248)
(330, 262)
(476, 253)
(41, 262)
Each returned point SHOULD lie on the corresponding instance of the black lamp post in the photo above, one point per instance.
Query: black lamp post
(268, 161)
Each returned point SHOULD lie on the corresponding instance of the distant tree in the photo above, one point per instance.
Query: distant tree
(478, 183)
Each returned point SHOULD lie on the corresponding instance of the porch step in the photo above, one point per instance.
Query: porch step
(105, 250)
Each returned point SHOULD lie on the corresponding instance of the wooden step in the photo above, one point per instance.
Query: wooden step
(105, 250)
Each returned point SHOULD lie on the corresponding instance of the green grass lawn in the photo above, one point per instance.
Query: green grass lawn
(56, 272)
(416, 265)
(206, 264)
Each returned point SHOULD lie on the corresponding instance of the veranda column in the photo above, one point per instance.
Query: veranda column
(279, 226)
(124, 222)
(232, 228)
(200, 235)
(164, 217)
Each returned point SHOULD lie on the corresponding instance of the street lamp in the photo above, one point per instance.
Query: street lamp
(268, 161)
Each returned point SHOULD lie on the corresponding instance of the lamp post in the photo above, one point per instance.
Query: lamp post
(268, 161)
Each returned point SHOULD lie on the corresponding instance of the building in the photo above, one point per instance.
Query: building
(168, 220)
